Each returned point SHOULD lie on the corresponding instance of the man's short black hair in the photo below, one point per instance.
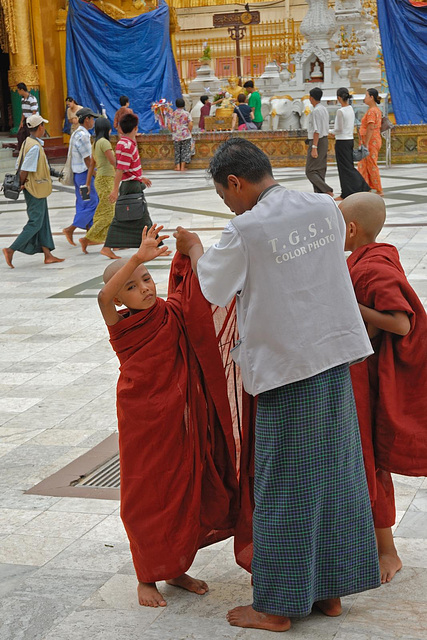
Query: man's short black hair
(123, 100)
(204, 99)
(249, 83)
(22, 86)
(241, 158)
(129, 122)
(180, 103)
(241, 98)
(34, 129)
(316, 93)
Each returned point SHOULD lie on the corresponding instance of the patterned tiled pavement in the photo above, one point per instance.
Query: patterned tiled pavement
(65, 569)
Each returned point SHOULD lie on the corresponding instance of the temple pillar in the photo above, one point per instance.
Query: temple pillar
(22, 67)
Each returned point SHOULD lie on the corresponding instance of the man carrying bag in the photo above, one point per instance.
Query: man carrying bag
(35, 180)
(131, 214)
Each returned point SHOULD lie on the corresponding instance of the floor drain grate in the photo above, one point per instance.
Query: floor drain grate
(95, 474)
(107, 476)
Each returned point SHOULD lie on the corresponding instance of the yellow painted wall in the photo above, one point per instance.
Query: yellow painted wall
(49, 63)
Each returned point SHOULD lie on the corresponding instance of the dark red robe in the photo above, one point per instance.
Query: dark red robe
(179, 488)
(391, 385)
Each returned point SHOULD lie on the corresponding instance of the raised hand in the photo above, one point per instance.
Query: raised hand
(149, 247)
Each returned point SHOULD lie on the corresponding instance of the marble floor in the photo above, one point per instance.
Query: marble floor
(65, 568)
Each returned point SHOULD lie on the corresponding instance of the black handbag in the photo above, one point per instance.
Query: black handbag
(12, 182)
(130, 207)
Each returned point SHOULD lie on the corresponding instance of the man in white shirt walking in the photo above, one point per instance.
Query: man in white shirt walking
(30, 107)
(300, 328)
(317, 130)
(81, 151)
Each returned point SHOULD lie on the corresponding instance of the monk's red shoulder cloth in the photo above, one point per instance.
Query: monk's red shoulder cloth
(391, 385)
(179, 486)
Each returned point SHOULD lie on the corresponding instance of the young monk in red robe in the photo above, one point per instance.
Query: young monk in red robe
(390, 387)
(177, 451)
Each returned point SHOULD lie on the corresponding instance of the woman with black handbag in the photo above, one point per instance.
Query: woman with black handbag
(350, 179)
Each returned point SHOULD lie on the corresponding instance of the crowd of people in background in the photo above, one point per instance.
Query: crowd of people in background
(101, 175)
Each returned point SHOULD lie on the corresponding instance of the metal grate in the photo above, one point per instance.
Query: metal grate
(107, 476)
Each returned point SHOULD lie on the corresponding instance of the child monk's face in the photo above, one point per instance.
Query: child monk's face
(139, 292)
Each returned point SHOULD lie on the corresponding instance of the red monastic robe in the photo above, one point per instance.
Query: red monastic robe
(391, 385)
(179, 488)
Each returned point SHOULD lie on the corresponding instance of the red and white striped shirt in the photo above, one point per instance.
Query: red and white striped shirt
(128, 160)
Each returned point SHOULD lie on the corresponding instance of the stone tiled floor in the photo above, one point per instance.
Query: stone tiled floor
(65, 570)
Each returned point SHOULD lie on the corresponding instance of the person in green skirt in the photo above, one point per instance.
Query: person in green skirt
(36, 236)
(103, 159)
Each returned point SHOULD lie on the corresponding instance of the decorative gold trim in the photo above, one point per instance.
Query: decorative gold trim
(9, 40)
(27, 73)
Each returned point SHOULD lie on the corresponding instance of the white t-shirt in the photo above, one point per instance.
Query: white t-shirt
(318, 121)
(296, 309)
(344, 123)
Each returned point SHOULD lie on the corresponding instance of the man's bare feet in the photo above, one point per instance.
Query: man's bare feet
(8, 254)
(390, 564)
(331, 607)
(247, 617)
(338, 199)
(68, 233)
(106, 251)
(149, 596)
(190, 584)
(51, 259)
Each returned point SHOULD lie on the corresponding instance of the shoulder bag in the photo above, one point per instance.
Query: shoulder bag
(67, 178)
(130, 207)
(12, 181)
(250, 126)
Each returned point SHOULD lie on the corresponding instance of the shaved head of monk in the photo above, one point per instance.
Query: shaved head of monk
(364, 215)
(139, 292)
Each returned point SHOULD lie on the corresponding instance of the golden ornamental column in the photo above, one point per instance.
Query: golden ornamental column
(22, 67)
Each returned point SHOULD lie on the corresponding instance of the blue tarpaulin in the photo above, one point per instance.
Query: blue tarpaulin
(403, 29)
(108, 58)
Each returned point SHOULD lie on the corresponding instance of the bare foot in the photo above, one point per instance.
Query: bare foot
(149, 596)
(330, 193)
(190, 584)
(390, 564)
(84, 244)
(8, 253)
(106, 251)
(338, 199)
(51, 259)
(69, 235)
(331, 607)
(380, 193)
(247, 617)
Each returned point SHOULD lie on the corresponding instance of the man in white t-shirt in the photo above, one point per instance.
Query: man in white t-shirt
(317, 153)
(300, 328)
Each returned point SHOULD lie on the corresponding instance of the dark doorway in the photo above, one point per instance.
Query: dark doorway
(5, 100)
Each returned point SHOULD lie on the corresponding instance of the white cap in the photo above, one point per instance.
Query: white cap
(35, 121)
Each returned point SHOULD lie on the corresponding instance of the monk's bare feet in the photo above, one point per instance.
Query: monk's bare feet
(8, 254)
(68, 233)
(190, 584)
(149, 596)
(51, 259)
(390, 564)
(331, 607)
(106, 251)
(247, 617)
